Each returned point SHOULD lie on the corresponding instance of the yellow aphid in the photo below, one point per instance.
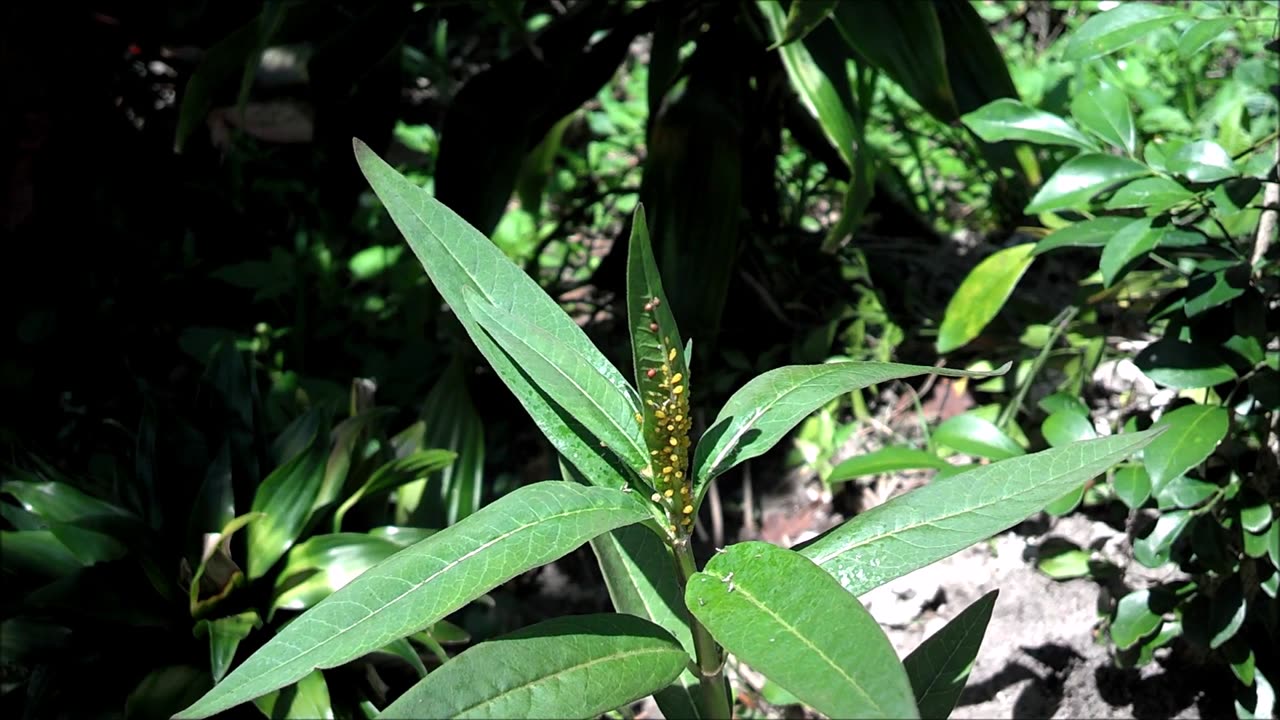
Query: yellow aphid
(679, 474)
(677, 377)
(674, 441)
(667, 470)
(675, 458)
(679, 418)
(669, 493)
(677, 389)
(684, 489)
(639, 418)
(672, 528)
(663, 416)
(687, 509)
(671, 355)
(671, 428)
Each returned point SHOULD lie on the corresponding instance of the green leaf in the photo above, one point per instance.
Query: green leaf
(761, 412)
(1104, 111)
(1194, 431)
(1109, 31)
(1153, 194)
(1063, 402)
(1202, 161)
(1066, 427)
(775, 610)
(324, 564)
(948, 515)
(1200, 33)
(1153, 550)
(939, 667)
(1127, 248)
(1227, 611)
(904, 40)
(574, 666)
(1132, 485)
(1089, 233)
(1209, 290)
(307, 700)
(37, 552)
(974, 435)
(1256, 518)
(638, 572)
(1066, 563)
(884, 460)
(449, 421)
(804, 17)
(981, 295)
(1081, 178)
(656, 349)
(392, 475)
(59, 501)
(1008, 119)
(568, 379)
(1184, 492)
(828, 102)
(455, 255)
(1182, 365)
(416, 587)
(225, 635)
(1138, 614)
(220, 541)
(286, 499)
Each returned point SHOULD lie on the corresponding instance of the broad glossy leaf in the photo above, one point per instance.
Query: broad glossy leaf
(1127, 248)
(1194, 431)
(225, 634)
(1065, 427)
(981, 295)
(1185, 492)
(1089, 233)
(1209, 290)
(285, 499)
(392, 475)
(59, 502)
(781, 614)
(455, 255)
(307, 700)
(423, 583)
(568, 379)
(640, 574)
(1256, 518)
(974, 435)
(349, 438)
(1063, 402)
(804, 17)
(1153, 194)
(1202, 161)
(1182, 365)
(948, 515)
(1132, 485)
(884, 460)
(1104, 111)
(761, 412)
(1200, 33)
(1009, 119)
(1109, 31)
(905, 40)
(325, 563)
(1153, 550)
(939, 667)
(1081, 178)
(573, 666)
(1136, 618)
(1065, 564)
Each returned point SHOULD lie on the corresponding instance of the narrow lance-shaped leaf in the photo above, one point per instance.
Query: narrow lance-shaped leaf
(782, 615)
(456, 255)
(574, 666)
(803, 17)
(939, 667)
(425, 582)
(889, 459)
(948, 515)
(394, 474)
(567, 378)
(285, 499)
(981, 295)
(761, 412)
(662, 376)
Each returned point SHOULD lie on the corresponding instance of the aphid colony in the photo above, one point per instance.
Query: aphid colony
(668, 403)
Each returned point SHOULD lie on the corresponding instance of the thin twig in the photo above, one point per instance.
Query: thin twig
(1267, 221)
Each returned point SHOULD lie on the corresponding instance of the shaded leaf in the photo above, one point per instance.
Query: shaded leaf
(1200, 33)
(1153, 194)
(974, 435)
(308, 699)
(1182, 365)
(224, 635)
(1194, 431)
(574, 666)
(939, 667)
(1153, 550)
(804, 17)
(1104, 111)
(285, 500)
(324, 564)
(884, 460)
(1135, 617)
(1089, 233)
(400, 471)
(423, 583)
(1132, 485)
(1127, 248)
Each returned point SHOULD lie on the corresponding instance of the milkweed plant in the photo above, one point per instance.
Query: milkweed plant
(633, 480)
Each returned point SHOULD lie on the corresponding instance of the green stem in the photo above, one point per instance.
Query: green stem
(710, 658)
(1059, 325)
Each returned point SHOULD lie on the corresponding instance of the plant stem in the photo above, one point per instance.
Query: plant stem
(1060, 324)
(710, 658)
